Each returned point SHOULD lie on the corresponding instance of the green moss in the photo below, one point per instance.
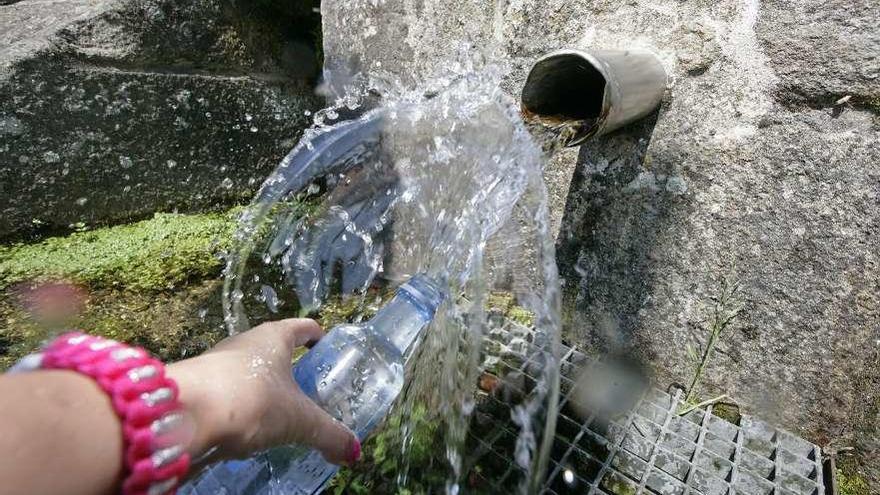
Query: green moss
(505, 303)
(499, 301)
(229, 42)
(382, 461)
(170, 325)
(727, 412)
(521, 316)
(850, 483)
(339, 310)
(155, 254)
(616, 486)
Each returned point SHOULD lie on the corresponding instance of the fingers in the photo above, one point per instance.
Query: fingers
(309, 424)
(298, 331)
(314, 427)
(292, 332)
(275, 337)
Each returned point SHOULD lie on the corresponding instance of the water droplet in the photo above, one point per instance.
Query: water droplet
(270, 297)
(81, 201)
(237, 295)
(467, 406)
(51, 157)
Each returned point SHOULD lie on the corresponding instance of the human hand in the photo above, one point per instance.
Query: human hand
(242, 397)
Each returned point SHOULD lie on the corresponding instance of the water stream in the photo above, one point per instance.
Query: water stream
(447, 184)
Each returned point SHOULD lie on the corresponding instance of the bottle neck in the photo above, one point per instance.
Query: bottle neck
(400, 321)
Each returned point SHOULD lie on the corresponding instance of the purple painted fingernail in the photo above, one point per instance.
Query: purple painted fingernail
(354, 454)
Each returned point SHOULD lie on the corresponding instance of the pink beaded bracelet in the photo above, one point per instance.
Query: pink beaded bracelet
(143, 397)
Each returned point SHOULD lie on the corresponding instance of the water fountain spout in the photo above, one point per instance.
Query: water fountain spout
(590, 93)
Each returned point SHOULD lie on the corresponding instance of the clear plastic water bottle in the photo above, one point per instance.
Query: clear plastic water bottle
(354, 373)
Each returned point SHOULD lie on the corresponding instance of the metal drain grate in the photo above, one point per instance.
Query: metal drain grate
(649, 449)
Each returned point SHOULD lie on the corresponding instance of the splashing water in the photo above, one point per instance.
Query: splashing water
(447, 184)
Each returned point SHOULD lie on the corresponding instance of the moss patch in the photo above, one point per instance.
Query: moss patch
(156, 254)
(338, 310)
(849, 481)
(505, 304)
(872, 103)
(727, 412)
(152, 283)
(170, 325)
(617, 485)
(382, 462)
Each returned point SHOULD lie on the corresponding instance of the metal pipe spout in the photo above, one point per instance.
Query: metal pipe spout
(590, 93)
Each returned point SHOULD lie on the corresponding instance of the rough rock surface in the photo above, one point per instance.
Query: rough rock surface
(750, 171)
(113, 109)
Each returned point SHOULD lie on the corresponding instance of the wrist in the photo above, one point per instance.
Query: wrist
(200, 407)
(143, 397)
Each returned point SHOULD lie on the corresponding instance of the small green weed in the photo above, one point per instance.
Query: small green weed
(726, 307)
(383, 459)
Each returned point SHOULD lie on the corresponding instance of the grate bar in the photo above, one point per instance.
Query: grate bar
(820, 475)
(737, 459)
(571, 446)
(655, 445)
(649, 450)
(615, 448)
(704, 427)
(777, 469)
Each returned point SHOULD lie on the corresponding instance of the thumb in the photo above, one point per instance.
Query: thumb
(317, 429)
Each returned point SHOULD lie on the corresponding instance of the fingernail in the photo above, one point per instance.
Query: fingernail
(354, 452)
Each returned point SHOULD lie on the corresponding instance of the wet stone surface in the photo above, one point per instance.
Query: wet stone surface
(110, 111)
